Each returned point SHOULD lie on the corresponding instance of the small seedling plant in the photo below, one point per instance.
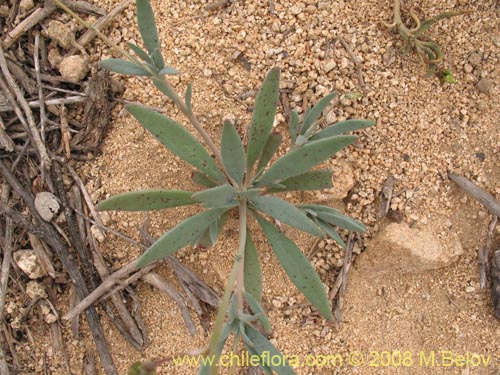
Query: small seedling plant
(243, 178)
(427, 50)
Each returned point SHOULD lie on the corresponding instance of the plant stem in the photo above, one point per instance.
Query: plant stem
(234, 276)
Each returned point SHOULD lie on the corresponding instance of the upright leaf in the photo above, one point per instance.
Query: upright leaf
(147, 200)
(297, 267)
(252, 270)
(164, 88)
(341, 128)
(169, 71)
(182, 234)
(293, 126)
(303, 158)
(311, 180)
(330, 232)
(217, 196)
(258, 311)
(147, 25)
(187, 97)
(124, 67)
(315, 112)
(264, 349)
(272, 144)
(177, 139)
(287, 213)
(141, 53)
(233, 153)
(263, 116)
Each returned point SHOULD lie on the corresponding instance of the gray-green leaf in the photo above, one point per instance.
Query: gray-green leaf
(262, 345)
(334, 217)
(341, 128)
(177, 139)
(147, 25)
(124, 67)
(187, 97)
(187, 231)
(252, 270)
(293, 126)
(263, 116)
(315, 112)
(217, 196)
(272, 144)
(297, 267)
(233, 153)
(287, 213)
(258, 311)
(141, 53)
(147, 200)
(303, 158)
(330, 232)
(312, 180)
(202, 179)
(169, 71)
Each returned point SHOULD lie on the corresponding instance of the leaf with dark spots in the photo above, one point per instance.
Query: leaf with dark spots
(147, 200)
(297, 267)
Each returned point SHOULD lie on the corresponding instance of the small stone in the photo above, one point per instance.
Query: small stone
(54, 57)
(26, 5)
(97, 233)
(468, 68)
(484, 85)
(474, 59)
(61, 33)
(50, 318)
(35, 290)
(46, 205)
(297, 9)
(29, 263)
(329, 66)
(277, 303)
(73, 68)
(496, 40)
(470, 289)
(343, 181)
(4, 11)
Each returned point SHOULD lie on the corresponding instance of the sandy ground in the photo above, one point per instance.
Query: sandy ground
(424, 129)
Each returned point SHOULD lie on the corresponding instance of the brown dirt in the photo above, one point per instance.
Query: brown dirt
(424, 129)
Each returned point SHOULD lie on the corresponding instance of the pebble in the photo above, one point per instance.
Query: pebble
(28, 262)
(484, 85)
(468, 68)
(470, 289)
(73, 68)
(46, 205)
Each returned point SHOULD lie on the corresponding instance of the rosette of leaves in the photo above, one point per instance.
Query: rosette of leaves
(427, 50)
(244, 178)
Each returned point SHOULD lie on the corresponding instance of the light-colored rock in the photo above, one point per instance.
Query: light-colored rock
(400, 249)
(97, 233)
(29, 263)
(54, 57)
(73, 68)
(46, 205)
(35, 290)
(343, 181)
(26, 5)
(484, 85)
(61, 33)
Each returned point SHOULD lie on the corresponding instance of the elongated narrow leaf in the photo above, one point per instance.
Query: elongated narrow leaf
(330, 232)
(124, 67)
(258, 311)
(164, 88)
(250, 193)
(272, 144)
(177, 139)
(202, 179)
(297, 267)
(341, 128)
(275, 359)
(251, 349)
(181, 235)
(335, 217)
(147, 200)
(252, 270)
(315, 112)
(159, 62)
(312, 180)
(287, 213)
(294, 126)
(141, 53)
(303, 158)
(147, 25)
(187, 97)
(169, 71)
(263, 116)
(233, 153)
(217, 196)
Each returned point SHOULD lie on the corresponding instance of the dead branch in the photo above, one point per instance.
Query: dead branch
(474, 191)
(355, 60)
